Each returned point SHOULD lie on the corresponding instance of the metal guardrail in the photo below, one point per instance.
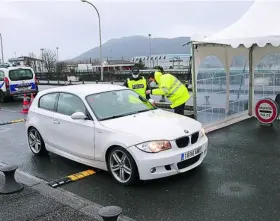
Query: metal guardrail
(166, 105)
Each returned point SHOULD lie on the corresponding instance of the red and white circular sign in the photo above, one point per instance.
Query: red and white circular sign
(266, 111)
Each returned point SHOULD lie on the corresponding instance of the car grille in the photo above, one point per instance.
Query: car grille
(194, 137)
(182, 142)
(187, 163)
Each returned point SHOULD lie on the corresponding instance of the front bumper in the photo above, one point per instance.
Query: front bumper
(167, 163)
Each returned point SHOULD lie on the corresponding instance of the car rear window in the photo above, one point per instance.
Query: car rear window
(20, 74)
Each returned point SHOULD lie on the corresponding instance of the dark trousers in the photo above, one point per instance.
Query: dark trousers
(180, 109)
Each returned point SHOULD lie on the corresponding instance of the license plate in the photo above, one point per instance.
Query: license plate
(190, 154)
(22, 88)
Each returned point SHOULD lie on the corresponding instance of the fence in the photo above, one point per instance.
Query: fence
(96, 76)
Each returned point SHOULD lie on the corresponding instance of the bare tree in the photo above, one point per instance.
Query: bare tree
(32, 61)
(61, 66)
(49, 58)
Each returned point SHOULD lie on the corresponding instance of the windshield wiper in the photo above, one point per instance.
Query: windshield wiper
(123, 115)
(141, 111)
(115, 116)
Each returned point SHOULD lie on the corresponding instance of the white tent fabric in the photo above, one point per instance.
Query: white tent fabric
(253, 36)
(259, 25)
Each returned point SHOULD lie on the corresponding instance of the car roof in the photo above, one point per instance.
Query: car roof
(15, 68)
(84, 89)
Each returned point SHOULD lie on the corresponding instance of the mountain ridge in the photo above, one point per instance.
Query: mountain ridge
(137, 45)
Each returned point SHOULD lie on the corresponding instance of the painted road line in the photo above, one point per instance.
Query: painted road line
(12, 122)
(71, 178)
(81, 175)
(8, 110)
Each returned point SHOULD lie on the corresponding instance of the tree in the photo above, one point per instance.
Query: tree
(49, 58)
(140, 64)
(159, 68)
(31, 62)
(61, 66)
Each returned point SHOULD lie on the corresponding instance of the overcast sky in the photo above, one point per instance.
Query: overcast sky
(28, 26)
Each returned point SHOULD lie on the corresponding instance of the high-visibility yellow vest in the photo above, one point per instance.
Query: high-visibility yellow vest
(173, 89)
(139, 86)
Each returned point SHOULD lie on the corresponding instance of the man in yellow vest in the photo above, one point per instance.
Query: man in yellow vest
(137, 83)
(172, 88)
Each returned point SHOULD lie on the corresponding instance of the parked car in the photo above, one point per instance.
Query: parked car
(112, 128)
(16, 81)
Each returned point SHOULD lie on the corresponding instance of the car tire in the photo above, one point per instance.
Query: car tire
(36, 142)
(3, 97)
(128, 165)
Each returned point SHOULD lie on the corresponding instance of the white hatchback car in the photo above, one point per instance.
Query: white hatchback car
(113, 128)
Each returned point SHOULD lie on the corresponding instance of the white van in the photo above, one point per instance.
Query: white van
(16, 81)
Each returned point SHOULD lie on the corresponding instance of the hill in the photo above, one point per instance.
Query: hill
(128, 47)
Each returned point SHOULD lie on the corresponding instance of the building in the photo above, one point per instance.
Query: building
(35, 63)
(114, 66)
(167, 61)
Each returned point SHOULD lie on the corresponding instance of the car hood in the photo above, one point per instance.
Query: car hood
(154, 125)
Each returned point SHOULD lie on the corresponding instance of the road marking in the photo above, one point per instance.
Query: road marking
(12, 122)
(8, 110)
(3, 129)
(71, 178)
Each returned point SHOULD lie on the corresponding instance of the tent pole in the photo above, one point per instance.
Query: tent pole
(227, 69)
(251, 82)
(194, 82)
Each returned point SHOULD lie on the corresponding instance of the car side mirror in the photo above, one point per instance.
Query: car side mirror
(78, 116)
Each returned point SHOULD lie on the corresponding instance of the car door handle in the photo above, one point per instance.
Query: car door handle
(56, 121)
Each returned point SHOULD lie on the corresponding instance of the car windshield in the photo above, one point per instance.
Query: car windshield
(20, 74)
(115, 104)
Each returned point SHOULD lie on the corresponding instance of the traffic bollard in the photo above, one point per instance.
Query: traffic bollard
(96, 81)
(110, 213)
(70, 82)
(112, 82)
(10, 184)
(83, 82)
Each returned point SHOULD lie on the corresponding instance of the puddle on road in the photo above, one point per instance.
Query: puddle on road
(236, 189)
(4, 129)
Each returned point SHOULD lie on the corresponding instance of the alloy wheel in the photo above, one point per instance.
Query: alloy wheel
(120, 166)
(35, 141)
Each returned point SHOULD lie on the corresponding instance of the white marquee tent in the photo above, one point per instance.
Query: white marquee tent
(254, 35)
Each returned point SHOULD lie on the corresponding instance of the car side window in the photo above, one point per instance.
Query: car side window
(68, 104)
(48, 101)
(1, 76)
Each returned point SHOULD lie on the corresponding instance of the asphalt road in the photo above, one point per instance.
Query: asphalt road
(239, 179)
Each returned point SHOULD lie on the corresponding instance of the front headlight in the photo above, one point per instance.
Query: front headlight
(154, 146)
(202, 132)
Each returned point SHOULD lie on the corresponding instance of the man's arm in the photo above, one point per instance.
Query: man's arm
(159, 91)
(125, 83)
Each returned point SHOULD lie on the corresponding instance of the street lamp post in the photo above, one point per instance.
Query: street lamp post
(2, 50)
(150, 50)
(100, 42)
(56, 63)
(42, 62)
